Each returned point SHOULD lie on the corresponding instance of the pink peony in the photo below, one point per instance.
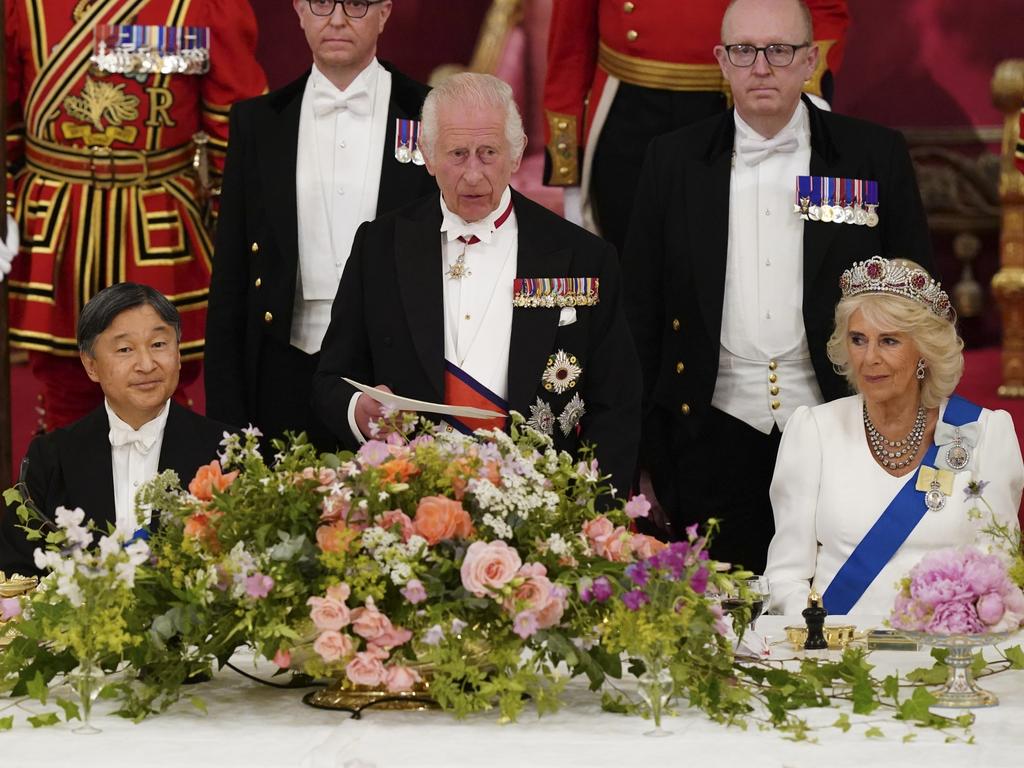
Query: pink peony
(365, 669)
(489, 566)
(283, 658)
(398, 678)
(414, 591)
(394, 517)
(991, 608)
(955, 618)
(638, 506)
(332, 645)
(10, 608)
(328, 613)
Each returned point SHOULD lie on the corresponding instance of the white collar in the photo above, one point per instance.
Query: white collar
(454, 226)
(365, 81)
(799, 125)
(147, 434)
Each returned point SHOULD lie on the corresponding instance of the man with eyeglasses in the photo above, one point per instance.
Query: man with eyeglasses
(620, 73)
(732, 271)
(308, 164)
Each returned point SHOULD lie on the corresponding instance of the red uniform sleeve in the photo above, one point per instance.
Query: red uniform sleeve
(572, 59)
(234, 72)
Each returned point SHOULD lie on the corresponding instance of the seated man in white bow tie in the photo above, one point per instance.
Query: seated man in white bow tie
(128, 338)
(476, 296)
(307, 164)
(741, 228)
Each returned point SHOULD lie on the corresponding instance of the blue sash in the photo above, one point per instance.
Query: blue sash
(892, 528)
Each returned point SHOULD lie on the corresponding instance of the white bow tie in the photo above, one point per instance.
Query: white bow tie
(753, 151)
(142, 439)
(327, 102)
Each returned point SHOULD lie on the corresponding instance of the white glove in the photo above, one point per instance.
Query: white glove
(9, 249)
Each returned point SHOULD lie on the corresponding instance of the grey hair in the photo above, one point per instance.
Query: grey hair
(471, 89)
(805, 12)
(101, 309)
(936, 339)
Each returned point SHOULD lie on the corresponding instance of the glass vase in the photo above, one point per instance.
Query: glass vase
(655, 687)
(87, 681)
(960, 690)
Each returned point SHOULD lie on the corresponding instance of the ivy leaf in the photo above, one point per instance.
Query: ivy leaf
(198, 703)
(909, 738)
(978, 663)
(1015, 656)
(70, 709)
(874, 732)
(891, 687)
(6, 723)
(12, 496)
(916, 708)
(843, 723)
(40, 721)
(614, 704)
(933, 676)
(37, 688)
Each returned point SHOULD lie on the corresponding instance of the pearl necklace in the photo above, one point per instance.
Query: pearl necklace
(896, 454)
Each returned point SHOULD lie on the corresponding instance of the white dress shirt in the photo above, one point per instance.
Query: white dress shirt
(478, 306)
(134, 459)
(764, 357)
(828, 491)
(337, 180)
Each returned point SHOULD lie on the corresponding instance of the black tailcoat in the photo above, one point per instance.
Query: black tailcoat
(252, 291)
(71, 467)
(674, 264)
(387, 327)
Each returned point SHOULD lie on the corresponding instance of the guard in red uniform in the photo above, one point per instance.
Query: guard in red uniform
(621, 72)
(117, 110)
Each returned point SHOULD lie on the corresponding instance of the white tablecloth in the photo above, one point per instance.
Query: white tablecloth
(251, 725)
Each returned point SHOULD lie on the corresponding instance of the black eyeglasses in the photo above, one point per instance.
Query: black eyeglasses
(354, 9)
(776, 54)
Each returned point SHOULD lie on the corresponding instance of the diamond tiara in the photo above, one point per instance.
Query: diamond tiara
(878, 275)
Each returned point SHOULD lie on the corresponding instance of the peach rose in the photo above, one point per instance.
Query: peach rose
(398, 470)
(489, 566)
(200, 527)
(328, 614)
(365, 669)
(283, 658)
(335, 506)
(551, 613)
(394, 517)
(616, 546)
(439, 518)
(368, 621)
(333, 538)
(643, 546)
(208, 479)
(339, 592)
(598, 529)
(332, 645)
(492, 471)
(535, 591)
(399, 678)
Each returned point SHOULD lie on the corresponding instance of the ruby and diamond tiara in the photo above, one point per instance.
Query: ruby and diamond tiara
(878, 275)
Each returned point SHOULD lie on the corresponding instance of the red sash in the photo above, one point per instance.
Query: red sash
(462, 389)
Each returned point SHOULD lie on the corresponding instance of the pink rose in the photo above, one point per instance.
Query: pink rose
(331, 645)
(335, 507)
(608, 541)
(990, 608)
(283, 658)
(398, 678)
(535, 591)
(368, 622)
(643, 546)
(638, 506)
(598, 529)
(489, 566)
(365, 669)
(551, 613)
(392, 637)
(328, 613)
(414, 591)
(394, 517)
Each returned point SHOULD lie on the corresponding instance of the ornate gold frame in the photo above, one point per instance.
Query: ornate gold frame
(502, 17)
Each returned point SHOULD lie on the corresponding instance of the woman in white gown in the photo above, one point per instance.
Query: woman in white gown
(866, 485)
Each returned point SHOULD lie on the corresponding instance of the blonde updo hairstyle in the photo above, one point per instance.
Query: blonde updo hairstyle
(936, 339)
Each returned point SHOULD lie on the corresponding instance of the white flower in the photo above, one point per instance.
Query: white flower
(137, 551)
(110, 546)
(125, 572)
(383, 496)
(68, 518)
(557, 544)
(69, 588)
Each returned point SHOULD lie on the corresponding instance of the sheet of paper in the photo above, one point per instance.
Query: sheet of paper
(422, 406)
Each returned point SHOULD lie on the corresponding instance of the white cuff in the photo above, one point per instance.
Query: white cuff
(352, 418)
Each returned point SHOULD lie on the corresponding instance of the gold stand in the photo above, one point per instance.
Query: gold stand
(356, 699)
(1008, 283)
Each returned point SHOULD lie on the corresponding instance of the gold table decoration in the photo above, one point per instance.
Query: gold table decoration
(13, 587)
(838, 636)
(341, 695)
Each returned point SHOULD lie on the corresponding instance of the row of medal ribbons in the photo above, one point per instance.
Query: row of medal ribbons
(133, 49)
(837, 200)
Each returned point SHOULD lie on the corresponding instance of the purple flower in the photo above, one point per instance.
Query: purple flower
(638, 506)
(699, 580)
(414, 591)
(637, 573)
(258, 586)
(525, 624)
(434, 635)
(635, 598)
(458, 625)
(974, 489)
(373, 453)
(691, 531)
(602, 589)
(586, 590)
